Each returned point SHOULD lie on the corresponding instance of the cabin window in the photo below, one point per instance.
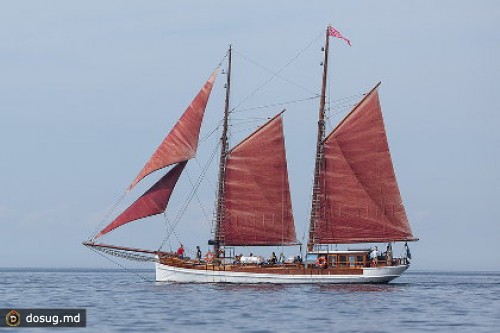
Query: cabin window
(359, 260)
(352, 260)
(342, 260)
(311, 258)
(333, 261)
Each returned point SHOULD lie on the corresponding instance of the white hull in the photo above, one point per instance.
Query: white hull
(166, 273)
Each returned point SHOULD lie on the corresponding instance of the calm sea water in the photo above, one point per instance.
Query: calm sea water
(118, 301)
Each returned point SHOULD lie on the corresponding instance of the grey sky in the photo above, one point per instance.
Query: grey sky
(88, 89)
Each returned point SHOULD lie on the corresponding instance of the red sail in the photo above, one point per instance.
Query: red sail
(181, 143)
(359, 194)
(153, 202)
(258, 209)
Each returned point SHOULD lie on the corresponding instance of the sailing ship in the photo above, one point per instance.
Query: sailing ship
(355, 200)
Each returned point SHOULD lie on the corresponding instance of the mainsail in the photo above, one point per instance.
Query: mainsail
(152, 202)
(257, 205)
(181, 143)
(358, 192)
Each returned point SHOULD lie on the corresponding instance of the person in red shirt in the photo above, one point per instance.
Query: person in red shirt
(180, 251)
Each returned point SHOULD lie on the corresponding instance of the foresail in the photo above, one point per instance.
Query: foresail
(152, 202)
(359, 195)
(181, 143)
(257, 205)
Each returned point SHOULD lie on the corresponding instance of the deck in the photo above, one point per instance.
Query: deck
(286, 269)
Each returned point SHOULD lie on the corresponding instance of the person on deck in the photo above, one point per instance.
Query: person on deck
(408, 253)
(198, 254)
(237, 259)
(388, 254)
(180, 251)
(374, 255)
(272, 260)
(282, 258)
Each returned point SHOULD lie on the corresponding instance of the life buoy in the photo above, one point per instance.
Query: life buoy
(321, 262)
(209, 257)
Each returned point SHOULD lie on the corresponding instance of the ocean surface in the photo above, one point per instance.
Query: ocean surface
(123, 301)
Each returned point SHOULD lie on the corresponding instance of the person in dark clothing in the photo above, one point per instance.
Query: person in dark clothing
(198, 254)
(272, 260)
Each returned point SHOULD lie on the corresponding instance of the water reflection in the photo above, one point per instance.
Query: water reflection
(360, 288)
(275, 287)
(260, 287)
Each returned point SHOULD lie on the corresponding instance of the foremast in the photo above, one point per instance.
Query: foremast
(316, 199)
(222, 162)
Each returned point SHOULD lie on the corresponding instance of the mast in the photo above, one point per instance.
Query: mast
(319, 147)
(222, 162)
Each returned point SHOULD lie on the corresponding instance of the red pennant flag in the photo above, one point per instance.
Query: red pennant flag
(335, 33)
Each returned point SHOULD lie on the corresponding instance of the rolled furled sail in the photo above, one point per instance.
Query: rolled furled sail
(152, 202)
(359, 195)
(181, 143)
(257, 205)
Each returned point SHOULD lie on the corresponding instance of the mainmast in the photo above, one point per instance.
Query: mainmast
(319, 148)
(222, 162)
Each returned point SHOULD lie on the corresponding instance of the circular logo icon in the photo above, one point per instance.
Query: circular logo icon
(13, 318)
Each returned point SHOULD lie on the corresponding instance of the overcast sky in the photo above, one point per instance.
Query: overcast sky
(88, 89)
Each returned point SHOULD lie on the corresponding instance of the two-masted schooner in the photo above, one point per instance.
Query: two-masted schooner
(355, 200)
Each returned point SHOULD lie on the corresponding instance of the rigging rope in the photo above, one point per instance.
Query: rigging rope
(106, 216)
(345, 102)
(167, 229)
(341, 106)
(206, 137)
(208, 179)
(181, 212)
(247, 129)
(222, 60)
(199, 201)
(248, 122)
(275, 74)
(277, 104)
(120, 265)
